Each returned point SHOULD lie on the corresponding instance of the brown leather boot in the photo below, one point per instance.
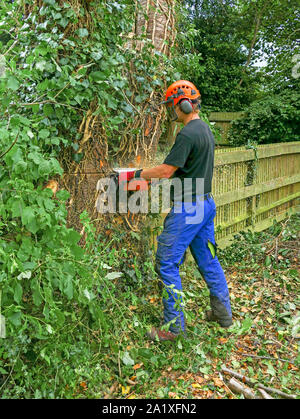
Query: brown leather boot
(161, 335)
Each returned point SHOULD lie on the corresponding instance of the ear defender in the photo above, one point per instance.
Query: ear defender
(186, 106)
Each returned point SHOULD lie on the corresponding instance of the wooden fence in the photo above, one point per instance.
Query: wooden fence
(253, 187)
(223, 120)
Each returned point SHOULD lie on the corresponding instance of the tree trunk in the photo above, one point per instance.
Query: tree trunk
(154, 22)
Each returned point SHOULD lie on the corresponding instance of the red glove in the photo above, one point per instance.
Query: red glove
(125, 177)
(130, 175)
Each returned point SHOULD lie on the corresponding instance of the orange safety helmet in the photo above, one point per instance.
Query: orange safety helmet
(182, 92)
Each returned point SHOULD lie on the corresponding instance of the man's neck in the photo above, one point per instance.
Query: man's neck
(190, 118)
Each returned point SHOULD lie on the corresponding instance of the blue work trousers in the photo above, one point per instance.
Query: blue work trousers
(189, 225)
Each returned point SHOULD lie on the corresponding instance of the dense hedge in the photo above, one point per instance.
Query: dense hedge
(273, 119)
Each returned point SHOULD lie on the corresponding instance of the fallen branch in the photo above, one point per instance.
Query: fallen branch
(247, 380)
(225, 385)
(269, 357)
(111, 390)
(240, 388)
(264, 394)
(119, 365)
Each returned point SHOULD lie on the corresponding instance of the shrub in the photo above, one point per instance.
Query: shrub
(273, 119)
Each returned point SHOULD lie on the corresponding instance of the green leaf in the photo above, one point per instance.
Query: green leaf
(33, 226)
(268, 261)
(36, 157)
(15, 318)
(72, 236)
(4, 134)
(246, 325)
(78, 157)
(44, 133)
(64, 22)
(68, 287)
(112, 103)
(17, 208)
(113, 275)
(41, 65)
(127, 360)
(57, 16)
(271, 369)
(205, 369)
(27, 215)
(63, 195)
(56, 167)
(18, 293)
(15, 155)
(55, 140)
(37, 297)
(83, 32)
(44, 168)
(235, 364)
(293, 273)
(13, 83)
(98, 76)
(48, 110)
(97, 55)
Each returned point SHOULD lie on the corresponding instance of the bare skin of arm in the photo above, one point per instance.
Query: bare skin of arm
(161, 171)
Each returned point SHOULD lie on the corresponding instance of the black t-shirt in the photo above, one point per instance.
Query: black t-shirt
(193, 153)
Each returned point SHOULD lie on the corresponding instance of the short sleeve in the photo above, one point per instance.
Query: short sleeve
(179, 152)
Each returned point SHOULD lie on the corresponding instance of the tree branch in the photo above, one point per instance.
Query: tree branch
(5, 152)
(258, 18)
(240, 388)
(247, 380)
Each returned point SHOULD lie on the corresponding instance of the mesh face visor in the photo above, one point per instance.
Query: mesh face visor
(174, 99)
(170, 109)
(171, 112)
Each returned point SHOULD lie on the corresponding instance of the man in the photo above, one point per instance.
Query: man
(191, 158)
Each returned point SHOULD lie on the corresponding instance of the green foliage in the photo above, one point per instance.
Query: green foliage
(213, 55)
(236, 51)
(280, 45)
(53, 75)
(59, 300)
(51, 79)
(272, 119)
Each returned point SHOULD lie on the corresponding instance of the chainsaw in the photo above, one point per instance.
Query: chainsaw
(123, 178)
(121, 181)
